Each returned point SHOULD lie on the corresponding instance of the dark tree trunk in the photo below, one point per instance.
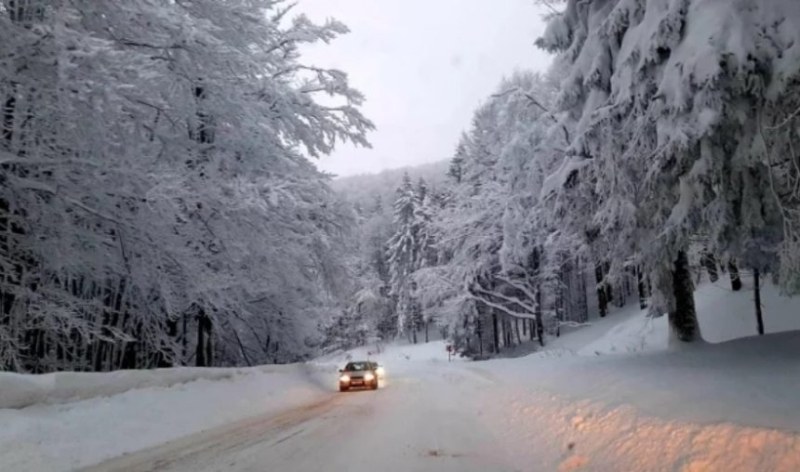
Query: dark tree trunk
(710, 263)
(480, 343)
(629, 274)
(427, 326)
(757, 298)
(602, 301)
(683, 317)
(540, 330)
(583, 297)
(200, 351)
(538, 321)
(203, 348)
(641, 287)
(516, 328)
(736, 281)
(184, 337)
(495, 333)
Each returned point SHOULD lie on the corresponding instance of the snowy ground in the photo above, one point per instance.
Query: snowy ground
(73, 435)
(609, 396)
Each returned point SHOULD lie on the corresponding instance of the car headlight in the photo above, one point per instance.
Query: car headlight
(344, 378)
(380, 371)
(368, 376)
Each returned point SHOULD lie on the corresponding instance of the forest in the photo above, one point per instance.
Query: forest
(160, 206)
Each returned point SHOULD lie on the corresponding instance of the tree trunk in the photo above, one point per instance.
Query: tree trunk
(683, 317)
(641, 287)
(203, 348)
(757, 298)
(736, 281)
(583, 297)
(184, 337)
(200, 351)
(495, 333)
(480, 343)
(540, 330)
(602, 301)
(538, 320)
(427, 325)
(516, 328)
(710, 264)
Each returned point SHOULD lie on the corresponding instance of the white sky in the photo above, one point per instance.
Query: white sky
(424, 66)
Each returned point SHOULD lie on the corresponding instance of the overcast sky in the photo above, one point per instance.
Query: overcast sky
(424, 66)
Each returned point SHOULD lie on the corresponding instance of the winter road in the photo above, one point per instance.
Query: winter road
(420, 423)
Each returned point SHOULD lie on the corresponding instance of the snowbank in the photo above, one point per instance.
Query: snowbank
(640, 333)
(565, 435)
(19, 391)
(147, 409)
(723, 315)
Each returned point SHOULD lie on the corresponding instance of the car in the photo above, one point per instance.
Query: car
(360, 374)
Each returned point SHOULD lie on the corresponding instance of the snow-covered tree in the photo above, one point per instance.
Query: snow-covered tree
(668, 101)
(157, 205)
(403, 250)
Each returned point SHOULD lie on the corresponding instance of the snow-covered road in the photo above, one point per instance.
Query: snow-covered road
(439, 416)
(425, 420)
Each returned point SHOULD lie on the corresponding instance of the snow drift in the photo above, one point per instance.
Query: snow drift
(20, 391)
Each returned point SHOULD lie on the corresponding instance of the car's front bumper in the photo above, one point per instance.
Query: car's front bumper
(358, 383)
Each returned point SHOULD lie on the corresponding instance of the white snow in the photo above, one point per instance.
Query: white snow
(723, 314)
(78, 434)
(18, 391)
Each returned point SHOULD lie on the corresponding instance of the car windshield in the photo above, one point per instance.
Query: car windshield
(356, 366)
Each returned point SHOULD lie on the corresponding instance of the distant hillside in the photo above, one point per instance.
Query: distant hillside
(366, 188)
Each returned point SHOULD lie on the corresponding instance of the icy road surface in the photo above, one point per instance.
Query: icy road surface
(422, 422)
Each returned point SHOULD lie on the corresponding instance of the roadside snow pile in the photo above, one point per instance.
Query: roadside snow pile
(593, 436)
(19, 391)
(637, 334)
(724, 406)
(723, 315)
(751, 381)
(73, 435)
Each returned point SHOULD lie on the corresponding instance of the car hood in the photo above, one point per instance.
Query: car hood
(357, 374)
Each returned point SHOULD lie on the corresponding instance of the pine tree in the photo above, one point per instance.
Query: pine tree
(403, 250)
